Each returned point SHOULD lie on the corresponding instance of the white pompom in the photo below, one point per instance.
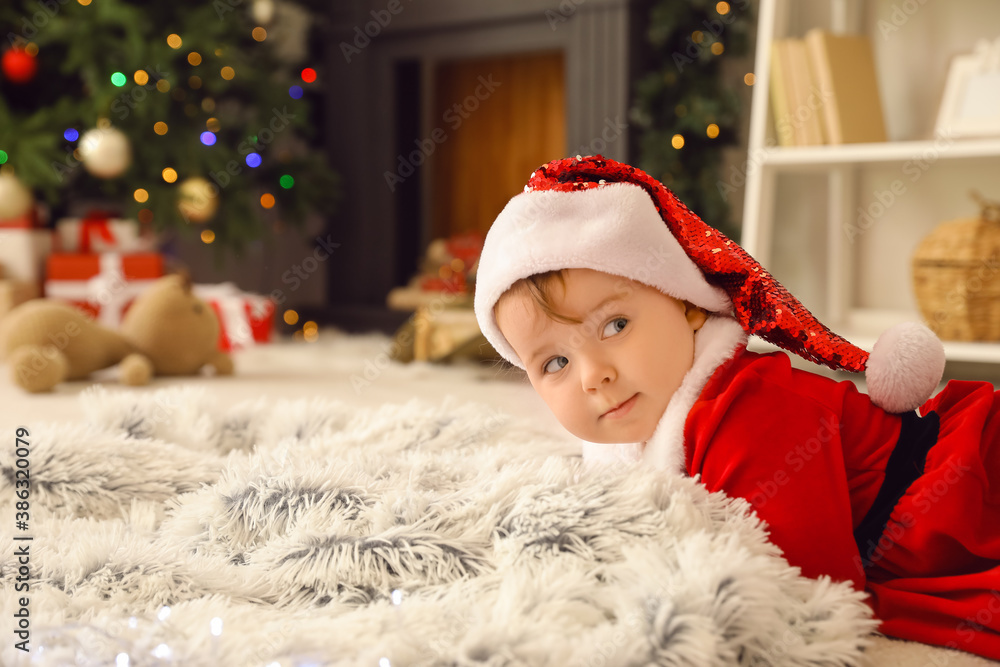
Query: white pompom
(904, 367)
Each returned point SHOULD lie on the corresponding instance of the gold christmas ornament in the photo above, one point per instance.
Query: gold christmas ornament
(197, 199)
(106, 152)
(15, 197)
(262, 11)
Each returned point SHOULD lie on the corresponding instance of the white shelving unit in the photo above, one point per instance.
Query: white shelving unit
(801, 202)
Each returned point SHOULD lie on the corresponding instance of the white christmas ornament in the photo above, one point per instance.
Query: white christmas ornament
(106, 152)
(15, 198)
(197, 199)
(262, 11)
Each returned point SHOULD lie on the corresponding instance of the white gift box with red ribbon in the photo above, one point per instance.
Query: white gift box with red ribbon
(245, 319)
(23, 252)
(96, 233)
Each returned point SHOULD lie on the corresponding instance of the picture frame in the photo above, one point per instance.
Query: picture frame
(970, 106)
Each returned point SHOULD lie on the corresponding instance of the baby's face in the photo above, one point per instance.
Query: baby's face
(609, 378)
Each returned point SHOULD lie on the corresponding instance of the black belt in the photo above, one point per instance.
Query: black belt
(906, 463)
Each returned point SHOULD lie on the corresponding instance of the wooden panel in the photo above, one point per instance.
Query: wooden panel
(493, 139)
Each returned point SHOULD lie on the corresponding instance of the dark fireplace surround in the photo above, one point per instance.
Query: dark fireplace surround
(376, 109)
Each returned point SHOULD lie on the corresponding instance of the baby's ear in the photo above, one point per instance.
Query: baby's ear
(695, 315)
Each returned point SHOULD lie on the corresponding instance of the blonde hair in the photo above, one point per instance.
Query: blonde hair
(538, 287)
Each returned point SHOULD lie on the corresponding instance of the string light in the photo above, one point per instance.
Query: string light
(259, 34)
(163, 85)
(287, 182)
(141, 77)
(208, 105)
(697, 37)
(717, 48)
(213, 124)
(121, 660)
(712, 131)
(194, 82)
(295, 92)
(749, 78)
(722, 8)
(253, 160)
(141, 195)
(194, 58)
(291, 317)
(160, 128)
(677, 141)
(71, 134)
(118, 79)
(207, 236)
(3, 157)
(309, 75)
(174, 41)
(208, 138)
(169, 175)
(84, 3)
(31, 49)
(228, 73)
(267, 200)
(310, 331)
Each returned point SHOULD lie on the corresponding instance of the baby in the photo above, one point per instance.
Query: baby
(630, 316)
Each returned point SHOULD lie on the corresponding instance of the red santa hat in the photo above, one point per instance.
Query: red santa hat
(595, 213)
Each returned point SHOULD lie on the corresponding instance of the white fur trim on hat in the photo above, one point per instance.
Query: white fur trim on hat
(613, 228)
(904, 367)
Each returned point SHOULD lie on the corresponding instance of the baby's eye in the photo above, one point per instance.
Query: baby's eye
(615, 326)
(555, 364)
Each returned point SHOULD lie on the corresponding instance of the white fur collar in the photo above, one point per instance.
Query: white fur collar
(714, 344)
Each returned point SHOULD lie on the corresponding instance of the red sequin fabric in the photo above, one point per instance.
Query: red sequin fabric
(761, 305)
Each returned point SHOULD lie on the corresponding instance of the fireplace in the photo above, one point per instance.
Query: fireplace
(437, 112)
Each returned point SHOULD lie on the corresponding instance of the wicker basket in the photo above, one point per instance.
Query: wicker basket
(956, 276)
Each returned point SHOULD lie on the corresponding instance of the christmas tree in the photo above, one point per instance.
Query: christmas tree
(185, 115)
(684, 108)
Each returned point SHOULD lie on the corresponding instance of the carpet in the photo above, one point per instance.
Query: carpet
(169, 530)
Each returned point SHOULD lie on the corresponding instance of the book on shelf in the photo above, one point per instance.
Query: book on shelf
(843, 67)
(780, 82)
(795, 98)
(806, 99)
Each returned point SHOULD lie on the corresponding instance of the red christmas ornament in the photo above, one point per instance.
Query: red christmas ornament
(19, 66)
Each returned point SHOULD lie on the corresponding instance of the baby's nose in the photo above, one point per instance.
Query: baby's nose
(597, 373)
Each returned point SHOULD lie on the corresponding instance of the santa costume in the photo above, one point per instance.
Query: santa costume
(891, 491)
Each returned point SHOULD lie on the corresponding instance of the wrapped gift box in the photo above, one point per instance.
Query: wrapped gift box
(23, 251)
(245, 319)
(27, 221)
(103, 285)
(97, 233)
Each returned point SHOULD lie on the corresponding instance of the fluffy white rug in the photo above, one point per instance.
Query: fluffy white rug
(171, 532)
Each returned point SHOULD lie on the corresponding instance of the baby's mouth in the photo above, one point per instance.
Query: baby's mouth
(621, 409)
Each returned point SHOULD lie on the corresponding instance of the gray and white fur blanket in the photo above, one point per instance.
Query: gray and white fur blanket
(166, 531)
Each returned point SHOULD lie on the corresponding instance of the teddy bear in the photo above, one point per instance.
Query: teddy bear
(166, 331)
